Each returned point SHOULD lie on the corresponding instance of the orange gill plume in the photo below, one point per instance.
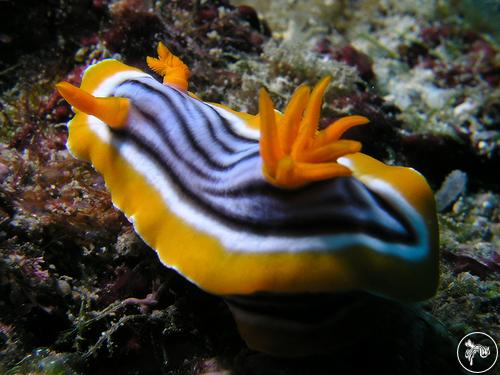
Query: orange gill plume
(293, 151)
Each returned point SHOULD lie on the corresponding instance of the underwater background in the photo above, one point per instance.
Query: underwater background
(80, 293)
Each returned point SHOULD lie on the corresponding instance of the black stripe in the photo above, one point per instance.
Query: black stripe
(211, 131)
(187, 127)
(184, 128)
(161, 158)
(227, 128)
(226, 147)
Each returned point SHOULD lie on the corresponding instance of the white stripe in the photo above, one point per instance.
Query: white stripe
(237, 124)
(109, 84)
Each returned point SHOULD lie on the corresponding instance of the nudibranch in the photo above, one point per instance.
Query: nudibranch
(262, 209)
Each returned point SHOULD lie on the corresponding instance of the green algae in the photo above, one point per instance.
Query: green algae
(42, 361)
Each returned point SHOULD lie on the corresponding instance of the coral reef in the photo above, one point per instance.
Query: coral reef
(80, 292)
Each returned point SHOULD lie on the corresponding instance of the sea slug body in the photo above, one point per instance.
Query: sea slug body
(245, 205)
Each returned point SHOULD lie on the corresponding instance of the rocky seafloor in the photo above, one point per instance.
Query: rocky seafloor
(80, 293)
